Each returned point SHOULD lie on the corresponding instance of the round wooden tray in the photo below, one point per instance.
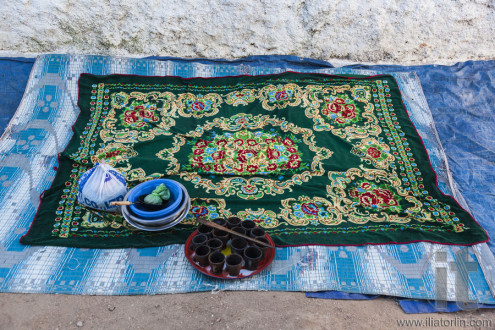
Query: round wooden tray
(267, 260)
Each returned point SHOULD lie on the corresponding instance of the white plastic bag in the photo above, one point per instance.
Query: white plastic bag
(101, 185)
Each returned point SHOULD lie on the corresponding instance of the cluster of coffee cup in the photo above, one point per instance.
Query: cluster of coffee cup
(208, 243)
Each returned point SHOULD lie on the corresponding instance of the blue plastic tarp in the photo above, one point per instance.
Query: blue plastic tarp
(14, 74)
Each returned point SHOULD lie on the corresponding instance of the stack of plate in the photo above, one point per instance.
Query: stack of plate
(174, 213)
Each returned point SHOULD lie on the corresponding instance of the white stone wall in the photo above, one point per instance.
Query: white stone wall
(379, 31)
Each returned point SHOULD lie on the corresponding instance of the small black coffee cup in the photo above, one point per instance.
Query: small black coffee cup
(201, 255)
(204, 229)
(239, 230)
(215, 244)
(198, 240)
(233, 264)
(233, 222)
(248, 225)
(216, 261)
(221, 235)
(237, 245)
(257, 232)
(220, 221)
(252, 257)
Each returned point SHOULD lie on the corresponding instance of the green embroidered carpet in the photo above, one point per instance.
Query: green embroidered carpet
(314, 159)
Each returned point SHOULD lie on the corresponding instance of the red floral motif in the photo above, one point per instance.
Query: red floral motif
(347, 111)
(288, 142)
(241, 121)
(252, 168)
(218, 155)
(365, 185)
(136, 115)
(205, 167)
(221, 142)
(112, 154)
(249, 188)
(272, 153)
(293, 164)
(373, 152)
(197, 106)
(368, 199)
(246, 153)
(375, 197)
(271, 167)
(219, 168)
(353, 193)
(251, 142)
(199, 211)
(309, 208)
(335, 106)
(201, 143)
(242, 155)
(130, 117)
(281, 95)
(386, 196)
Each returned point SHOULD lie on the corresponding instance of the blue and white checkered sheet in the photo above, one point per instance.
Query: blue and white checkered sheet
(41, 128)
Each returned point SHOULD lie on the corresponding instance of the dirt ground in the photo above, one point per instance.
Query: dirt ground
(218, 310)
